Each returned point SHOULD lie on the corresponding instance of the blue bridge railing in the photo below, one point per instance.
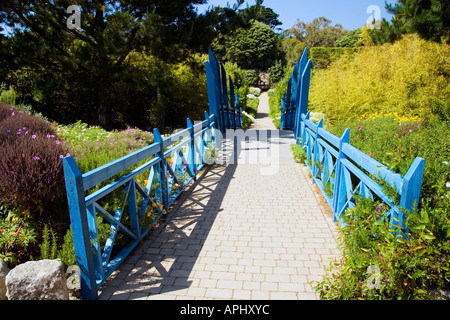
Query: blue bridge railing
(229, 113)
(146, 181)
(340, 170)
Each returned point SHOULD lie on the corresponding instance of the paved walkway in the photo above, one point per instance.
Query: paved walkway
(251, 227)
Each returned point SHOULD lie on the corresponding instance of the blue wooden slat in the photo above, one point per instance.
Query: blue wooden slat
(95, 244)
(133, 210)
(311, 125)
(162, 170)
(372, 166)
(96, 176)
(283, 113)
(232, 104)
(118, 183)
(329, 148)
(331, 138)
(191, 159)
(113, 220)
(372, 185)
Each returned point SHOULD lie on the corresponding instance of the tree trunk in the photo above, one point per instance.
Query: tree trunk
(104, 108)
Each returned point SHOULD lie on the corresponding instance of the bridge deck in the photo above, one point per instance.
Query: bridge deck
(251, 227)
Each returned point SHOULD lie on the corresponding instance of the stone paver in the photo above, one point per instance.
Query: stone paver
(243, 230)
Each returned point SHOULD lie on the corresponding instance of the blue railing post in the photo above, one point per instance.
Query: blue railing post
(337, 181)
(224, 100)
(288, 102)
(191, 160)
(238, 107)
(316, 149)
(283, 112)
(212, 94)
(412, 183)
(133, 210)
(304, 95)
(80, 228)
(232, 103)
(303, 129)
(162, 169)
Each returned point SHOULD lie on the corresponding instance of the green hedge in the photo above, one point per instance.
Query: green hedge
(323, 57)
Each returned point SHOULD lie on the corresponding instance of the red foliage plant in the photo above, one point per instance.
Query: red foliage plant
(31, 174)
(5, 111)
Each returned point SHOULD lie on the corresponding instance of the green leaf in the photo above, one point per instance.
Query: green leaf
(429, 236)
(424, 217)
(419, 227)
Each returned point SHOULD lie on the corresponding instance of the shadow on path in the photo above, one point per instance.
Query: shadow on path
(164, 261)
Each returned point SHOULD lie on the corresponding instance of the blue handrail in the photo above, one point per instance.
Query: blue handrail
(340, 170)
(165, 181)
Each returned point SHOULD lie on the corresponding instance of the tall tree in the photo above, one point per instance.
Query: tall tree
(253, 48)
(429, 18)
(91, 58)
(262, 14)
(318, 33)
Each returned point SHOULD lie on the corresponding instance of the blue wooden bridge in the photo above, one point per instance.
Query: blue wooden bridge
(214, 211)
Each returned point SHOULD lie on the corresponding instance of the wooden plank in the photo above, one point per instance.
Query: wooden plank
(305, 88)
(133, 210)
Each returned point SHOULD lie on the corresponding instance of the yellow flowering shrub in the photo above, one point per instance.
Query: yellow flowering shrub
(395, 115)
(407, 78)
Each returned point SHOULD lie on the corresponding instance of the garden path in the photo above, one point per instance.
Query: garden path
(253, 226)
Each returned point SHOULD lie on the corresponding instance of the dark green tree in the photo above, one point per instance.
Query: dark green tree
(253, 48)
(262, 14)
(351, 39)
(429, 18)
(76, 68)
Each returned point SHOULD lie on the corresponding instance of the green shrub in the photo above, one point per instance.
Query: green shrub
(49, 244)
(8, 97)
(251, 77)
(323, 57)
(298, 153)
(18, 237)
(93, 147)
(406, 267)
(237, 74)
(351, 39)
(276, 73)
(67, 251)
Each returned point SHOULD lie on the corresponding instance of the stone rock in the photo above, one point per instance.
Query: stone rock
(37, 280)
(3, 272)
